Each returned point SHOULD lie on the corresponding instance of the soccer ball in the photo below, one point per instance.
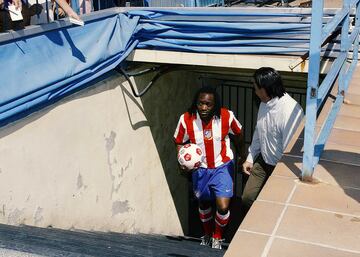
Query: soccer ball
(190, 156)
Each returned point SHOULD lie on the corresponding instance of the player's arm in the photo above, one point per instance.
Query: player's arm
(237, 137)
(238, 141)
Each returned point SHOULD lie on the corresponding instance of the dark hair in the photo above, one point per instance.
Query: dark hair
(270, 80)
(206, 90)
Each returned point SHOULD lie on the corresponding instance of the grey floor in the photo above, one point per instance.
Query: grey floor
(33, 242)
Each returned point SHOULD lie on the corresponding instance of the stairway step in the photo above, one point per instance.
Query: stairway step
(57, 242)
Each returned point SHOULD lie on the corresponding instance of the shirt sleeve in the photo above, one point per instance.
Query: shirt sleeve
(235, 126)
(291, 123)
(254, 148)
(181, 135)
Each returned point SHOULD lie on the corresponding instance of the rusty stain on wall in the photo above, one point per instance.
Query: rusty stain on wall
(117, 184)
(109, 145)
(79, 181)
(116, 176)
(110, 141)
(38, 216)
(15, 216)
(2, 211)
(120, 207)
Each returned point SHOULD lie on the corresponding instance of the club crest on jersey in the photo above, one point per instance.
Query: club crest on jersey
(208, 134)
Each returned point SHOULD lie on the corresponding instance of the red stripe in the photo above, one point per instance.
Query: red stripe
(209, 145)
(205, 216)
(180, 136)
(188, 118)
(225, 116)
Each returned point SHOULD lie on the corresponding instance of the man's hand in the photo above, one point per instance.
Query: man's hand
(247, 167)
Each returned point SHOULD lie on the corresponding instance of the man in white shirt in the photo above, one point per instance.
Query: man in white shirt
(278, 118)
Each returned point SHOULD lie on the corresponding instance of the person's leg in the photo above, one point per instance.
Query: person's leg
(258, 176)
(222, 185)
(222, 216)
(200, 179)
(206, 218)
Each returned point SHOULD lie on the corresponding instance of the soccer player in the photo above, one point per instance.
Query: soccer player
(278, 118)
(209, 125)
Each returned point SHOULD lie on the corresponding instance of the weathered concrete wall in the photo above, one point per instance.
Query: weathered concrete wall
(99, 160)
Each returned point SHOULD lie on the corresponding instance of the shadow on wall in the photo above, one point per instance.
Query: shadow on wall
(163, 104)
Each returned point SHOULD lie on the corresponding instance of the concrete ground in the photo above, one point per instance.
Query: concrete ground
(25, 241)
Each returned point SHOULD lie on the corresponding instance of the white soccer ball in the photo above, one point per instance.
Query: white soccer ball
(190, 156)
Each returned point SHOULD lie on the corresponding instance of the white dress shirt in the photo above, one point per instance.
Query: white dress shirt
(277, 120)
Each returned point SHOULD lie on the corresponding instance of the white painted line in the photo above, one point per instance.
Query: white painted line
(253, 232)
(320, 244)
(272, 236)
(313, 209)
(302, 241)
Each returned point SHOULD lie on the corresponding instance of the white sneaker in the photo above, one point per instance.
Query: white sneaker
(216, 243)
(205, 240)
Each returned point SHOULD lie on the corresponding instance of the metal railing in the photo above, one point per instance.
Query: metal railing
(183, 3)
(342, 68)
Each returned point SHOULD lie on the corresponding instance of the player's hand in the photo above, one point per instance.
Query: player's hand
(247, 167)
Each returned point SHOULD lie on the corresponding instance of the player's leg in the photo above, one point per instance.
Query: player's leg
(222, 218)
(223, 189)
(206, 218)
(200, 179)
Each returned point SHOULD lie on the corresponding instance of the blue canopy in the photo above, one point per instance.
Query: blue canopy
(41, 68)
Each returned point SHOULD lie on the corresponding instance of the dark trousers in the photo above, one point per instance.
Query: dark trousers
(260, 173)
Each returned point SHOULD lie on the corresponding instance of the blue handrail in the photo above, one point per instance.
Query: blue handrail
(316, 95)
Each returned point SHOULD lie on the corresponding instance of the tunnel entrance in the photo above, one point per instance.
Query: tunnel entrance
(236, 91)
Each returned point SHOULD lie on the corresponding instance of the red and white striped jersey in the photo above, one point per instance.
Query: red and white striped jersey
(213, 138)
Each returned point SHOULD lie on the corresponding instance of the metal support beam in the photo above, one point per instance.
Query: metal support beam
(316, 95)
(345, 40)
(312, 89)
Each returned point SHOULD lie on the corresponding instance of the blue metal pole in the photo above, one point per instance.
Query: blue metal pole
(312, 88)
(326, 128)
(344, 46)
(354, 42)
(330, 78)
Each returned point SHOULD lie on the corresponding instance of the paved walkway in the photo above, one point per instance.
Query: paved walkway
(322, 218)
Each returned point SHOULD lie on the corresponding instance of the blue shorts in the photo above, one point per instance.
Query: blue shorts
(211, 183)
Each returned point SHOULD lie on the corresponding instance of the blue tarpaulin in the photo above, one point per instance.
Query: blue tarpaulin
(39, 69)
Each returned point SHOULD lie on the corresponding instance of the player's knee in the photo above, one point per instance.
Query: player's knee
(222, 209)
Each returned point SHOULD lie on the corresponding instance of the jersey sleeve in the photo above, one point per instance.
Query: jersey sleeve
(181, 135)
(235, 126)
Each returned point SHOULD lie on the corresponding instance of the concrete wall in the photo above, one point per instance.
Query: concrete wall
(99, 160)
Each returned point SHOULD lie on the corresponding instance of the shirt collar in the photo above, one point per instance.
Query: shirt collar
(271, 103)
